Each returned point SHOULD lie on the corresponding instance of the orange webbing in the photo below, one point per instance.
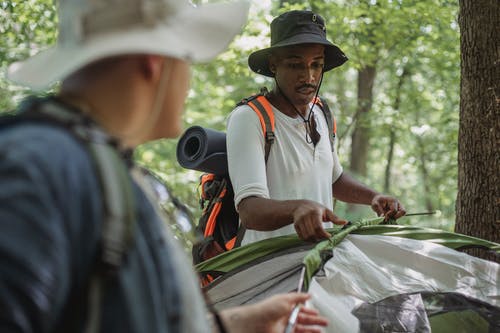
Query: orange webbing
(207, 177)
(230, 243)
(267, 107)
(317, 100)
(204, 281)
(210, 228)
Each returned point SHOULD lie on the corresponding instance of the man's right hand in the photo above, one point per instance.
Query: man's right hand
(308, 218)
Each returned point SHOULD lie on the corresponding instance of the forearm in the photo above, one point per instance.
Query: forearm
(233, 319)
(349, 190)
(267, 214)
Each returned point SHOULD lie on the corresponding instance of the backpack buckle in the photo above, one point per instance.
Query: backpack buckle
(270, 136)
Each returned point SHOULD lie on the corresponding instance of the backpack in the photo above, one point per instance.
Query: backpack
(118, 201)
(219, 221)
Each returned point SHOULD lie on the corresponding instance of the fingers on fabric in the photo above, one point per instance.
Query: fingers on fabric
(330, 216)
(307, 220)
(310, 321)
(388, 206)
(398, 210)
(307, 329)
(377, 206)
(311, 317)
(311, 229)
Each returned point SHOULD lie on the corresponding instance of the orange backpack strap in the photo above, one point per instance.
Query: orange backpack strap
(330, 120)
(264, 111)
(217, 204)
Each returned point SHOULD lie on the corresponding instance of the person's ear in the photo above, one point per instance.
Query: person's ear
(151, 66)
(272, 64)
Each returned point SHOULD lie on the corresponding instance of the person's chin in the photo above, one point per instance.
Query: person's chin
(304, 99)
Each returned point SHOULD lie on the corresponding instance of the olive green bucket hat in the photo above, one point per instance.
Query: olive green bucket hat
(293, 28)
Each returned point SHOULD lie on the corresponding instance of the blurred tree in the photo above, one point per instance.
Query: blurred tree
(382, 39)
(26, 27)
(417, 37)
(478, 199)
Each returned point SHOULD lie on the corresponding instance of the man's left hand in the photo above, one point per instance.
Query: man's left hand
(387, 206)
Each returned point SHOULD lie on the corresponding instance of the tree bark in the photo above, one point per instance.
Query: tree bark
(361, 133)
(422, 154)
(390, 155)
(478, 199)
(392, 133)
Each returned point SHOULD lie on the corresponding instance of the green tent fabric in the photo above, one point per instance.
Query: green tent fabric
(231, 260)
(345, 275)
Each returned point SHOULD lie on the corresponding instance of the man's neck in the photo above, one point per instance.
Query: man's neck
(102, 112)
(285, 105)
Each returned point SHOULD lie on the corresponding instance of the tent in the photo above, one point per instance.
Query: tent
(369, 278)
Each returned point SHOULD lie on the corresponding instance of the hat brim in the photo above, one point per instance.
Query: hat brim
(334, 57)
(195, 34)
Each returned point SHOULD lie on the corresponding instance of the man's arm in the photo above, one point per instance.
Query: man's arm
(349, 190)
(247, 169)
(307, 216)
(271, 316)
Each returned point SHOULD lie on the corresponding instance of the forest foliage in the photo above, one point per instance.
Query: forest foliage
(413, 44)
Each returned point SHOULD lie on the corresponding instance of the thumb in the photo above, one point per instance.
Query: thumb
(329, 216)
(377, 208)
(296, 297)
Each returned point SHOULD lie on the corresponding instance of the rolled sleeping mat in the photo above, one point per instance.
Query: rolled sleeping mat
(203, 149)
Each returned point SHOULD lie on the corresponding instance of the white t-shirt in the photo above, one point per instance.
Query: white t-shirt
(294, 170)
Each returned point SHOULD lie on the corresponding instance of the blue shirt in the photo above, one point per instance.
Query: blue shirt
(50, 216)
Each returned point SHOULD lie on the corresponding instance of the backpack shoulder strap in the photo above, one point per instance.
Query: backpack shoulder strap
(117, 193)
(330, 120)
(117, 229)
(260, 104)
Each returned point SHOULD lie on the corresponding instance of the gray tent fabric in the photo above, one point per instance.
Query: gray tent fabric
(377, 283)
(203, 149)
(368, 269)
(270, 275)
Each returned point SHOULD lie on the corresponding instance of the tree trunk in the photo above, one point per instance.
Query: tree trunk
(390, 155)
(478, 199)
(361, 132)
(392, 133)
(422, 154)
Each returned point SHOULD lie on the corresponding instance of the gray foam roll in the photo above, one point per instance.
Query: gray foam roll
(203, 149)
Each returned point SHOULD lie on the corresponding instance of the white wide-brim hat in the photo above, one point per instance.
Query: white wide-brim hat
(90, 30)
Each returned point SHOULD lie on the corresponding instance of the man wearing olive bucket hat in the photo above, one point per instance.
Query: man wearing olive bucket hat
(81, 245)
(293, 190)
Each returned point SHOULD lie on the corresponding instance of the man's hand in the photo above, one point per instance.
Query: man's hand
(387, 206)
(272, 314)
(307, 220)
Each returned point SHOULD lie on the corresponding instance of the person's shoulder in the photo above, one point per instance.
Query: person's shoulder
(242, 113)
(40, 139)
(43, 146)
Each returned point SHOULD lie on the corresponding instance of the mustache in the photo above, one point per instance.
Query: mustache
(307, 86)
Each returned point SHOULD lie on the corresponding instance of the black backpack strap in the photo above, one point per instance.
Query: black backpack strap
(117, 193)
(330, 120)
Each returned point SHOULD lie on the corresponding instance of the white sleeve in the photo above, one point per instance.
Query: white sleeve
(337, 167)
(245, 154)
